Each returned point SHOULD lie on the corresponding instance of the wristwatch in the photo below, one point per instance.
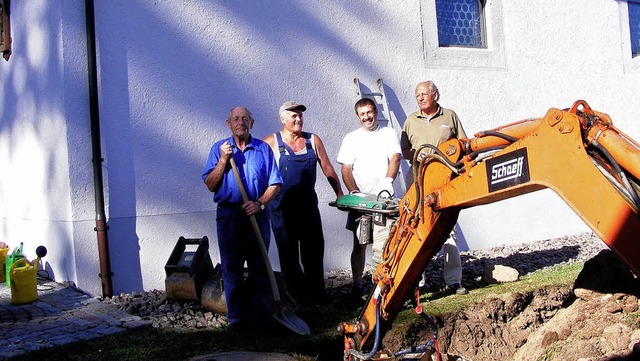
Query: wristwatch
(262, 207)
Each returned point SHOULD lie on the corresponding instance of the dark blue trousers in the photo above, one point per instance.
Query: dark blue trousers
(247, 299)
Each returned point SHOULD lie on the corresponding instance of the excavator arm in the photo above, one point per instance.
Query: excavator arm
(576, 152)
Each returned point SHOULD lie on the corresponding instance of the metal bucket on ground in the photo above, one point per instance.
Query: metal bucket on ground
(188, 269)
(214, 300)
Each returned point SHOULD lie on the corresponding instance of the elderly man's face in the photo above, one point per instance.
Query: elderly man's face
(425, 98)
(292, 120)
(368, 117)
(240, 122)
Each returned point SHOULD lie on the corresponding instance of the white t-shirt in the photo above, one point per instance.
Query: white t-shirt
(369, 153)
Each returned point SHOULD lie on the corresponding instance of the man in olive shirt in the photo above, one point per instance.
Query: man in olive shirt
(433, 124)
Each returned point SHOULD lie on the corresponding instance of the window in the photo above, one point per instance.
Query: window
(463, 34)
(630, 34)
(634, 26)
(460, 23)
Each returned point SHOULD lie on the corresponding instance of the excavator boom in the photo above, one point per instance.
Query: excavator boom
(576, 152)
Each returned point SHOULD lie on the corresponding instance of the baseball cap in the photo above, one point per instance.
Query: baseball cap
(291, 105)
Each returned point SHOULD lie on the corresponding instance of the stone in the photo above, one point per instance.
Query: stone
(500, 274)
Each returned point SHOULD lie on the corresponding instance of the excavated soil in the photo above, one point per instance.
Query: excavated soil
(597, 319)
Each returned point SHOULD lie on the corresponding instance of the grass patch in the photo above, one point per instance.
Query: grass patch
(549, 355)
(552, 276)
(633, 320)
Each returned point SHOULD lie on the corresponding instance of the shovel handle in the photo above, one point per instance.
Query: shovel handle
(256, 230)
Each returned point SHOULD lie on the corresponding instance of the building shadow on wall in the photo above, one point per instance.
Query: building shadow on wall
(124, 247)
(399, 115)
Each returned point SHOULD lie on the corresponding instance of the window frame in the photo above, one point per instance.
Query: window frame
(637, 3)
(491, 57)
(631, 64)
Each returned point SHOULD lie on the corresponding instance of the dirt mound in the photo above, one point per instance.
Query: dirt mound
(553, 323)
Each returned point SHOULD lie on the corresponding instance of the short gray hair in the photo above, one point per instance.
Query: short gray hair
(240, 107)
(432, 88)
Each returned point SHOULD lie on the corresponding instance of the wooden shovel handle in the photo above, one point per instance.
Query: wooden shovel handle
(256, 230)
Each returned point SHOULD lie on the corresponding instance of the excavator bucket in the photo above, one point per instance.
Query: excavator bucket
(188, 268)
(213, 298)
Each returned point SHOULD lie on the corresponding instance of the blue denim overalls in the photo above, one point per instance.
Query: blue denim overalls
(296, 223)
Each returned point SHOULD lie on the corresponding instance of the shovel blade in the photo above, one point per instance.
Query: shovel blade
(292, 322)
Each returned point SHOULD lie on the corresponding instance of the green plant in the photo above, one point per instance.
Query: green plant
(633, 320)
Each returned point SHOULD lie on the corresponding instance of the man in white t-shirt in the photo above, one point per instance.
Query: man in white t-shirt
(370, 158)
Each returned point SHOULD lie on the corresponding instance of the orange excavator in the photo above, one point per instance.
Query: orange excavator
(576, 152)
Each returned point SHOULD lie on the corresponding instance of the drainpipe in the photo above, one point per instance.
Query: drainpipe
(98, 188)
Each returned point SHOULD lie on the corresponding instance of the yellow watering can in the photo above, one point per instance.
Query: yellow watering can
(3, 256)
(23, 278)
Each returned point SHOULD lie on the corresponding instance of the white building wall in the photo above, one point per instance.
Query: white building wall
(35, 193)
(170, 71)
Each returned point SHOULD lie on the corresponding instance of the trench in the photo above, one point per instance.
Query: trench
(597, 318)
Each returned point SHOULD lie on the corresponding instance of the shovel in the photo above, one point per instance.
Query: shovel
(280, 313)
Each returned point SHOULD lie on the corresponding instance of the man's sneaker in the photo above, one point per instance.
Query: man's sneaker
(457, 289)
(423, 282)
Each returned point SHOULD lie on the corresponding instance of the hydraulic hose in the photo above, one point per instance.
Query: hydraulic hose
(376, 344)
(442, 158)
(494, 133)
(438, 156)
(427, 346)
(625, 181)
(474, 154)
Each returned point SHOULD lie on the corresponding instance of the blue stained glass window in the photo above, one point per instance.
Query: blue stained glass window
(634, 26)
(460, 23)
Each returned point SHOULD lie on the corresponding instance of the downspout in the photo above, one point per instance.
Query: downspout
(98, 188)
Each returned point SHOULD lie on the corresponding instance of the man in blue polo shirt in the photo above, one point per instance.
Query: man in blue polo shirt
(247, 304)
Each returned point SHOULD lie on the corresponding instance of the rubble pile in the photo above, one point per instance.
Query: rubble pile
(166, 313)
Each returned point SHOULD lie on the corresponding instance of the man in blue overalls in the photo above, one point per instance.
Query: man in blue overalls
(294, 213)
(247, 304)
